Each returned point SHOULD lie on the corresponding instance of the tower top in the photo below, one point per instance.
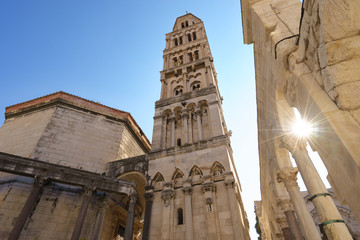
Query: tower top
(185, 20)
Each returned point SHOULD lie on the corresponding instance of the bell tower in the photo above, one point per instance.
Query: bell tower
(194, 184)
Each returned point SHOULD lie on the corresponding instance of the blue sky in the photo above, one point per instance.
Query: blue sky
(111, 52)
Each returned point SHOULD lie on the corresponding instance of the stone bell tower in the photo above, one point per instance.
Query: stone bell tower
(194, 189)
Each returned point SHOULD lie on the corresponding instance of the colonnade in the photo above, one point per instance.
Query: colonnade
(187, 129)
(331, 220)
(38, 187)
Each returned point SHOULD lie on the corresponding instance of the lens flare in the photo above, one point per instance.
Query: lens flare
(301, 128)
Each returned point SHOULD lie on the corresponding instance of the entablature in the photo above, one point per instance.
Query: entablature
(185, 96)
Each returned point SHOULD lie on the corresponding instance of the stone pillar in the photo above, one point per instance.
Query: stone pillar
(330, 217)
(307, 225)
(82, 213)
(185, 116)
(130, 217)
(103, 205)
(167, 194)
(189, 234)
(213, 226)
(162, 85)
(29, 206)
(293, 225)
(190, 128)
(149, 198)
(237, 226)
(281, 221)
(198, 118)
(172, 120)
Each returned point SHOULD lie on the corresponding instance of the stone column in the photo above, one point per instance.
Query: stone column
(82, 213)
(281, 221)
(189, 234)
(185, 116)
(213, 226)
(307, 225)
(293, 225)
(29, 206)
(103, 205)
(130, 217)
(167, 194)
(162, 85)
(149, 198)
(172, 120)
(286, 207)
(237, 226)
(190, 128)
(198, 118)
(330, 217)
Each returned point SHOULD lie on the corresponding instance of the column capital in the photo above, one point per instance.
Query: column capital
(133, 197)
(187, 190)
(88, 190)
(284, 204)
(172, 116)
(185, 113)
(208, 187)
(167, 195)
(149, 194)
(288, 176)
(230, 183)
(197, 110)
(293, 143)
(40, 181)
(187, 187)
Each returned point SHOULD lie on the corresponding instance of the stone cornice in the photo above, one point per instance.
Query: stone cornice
(186, 96)
(53, 172)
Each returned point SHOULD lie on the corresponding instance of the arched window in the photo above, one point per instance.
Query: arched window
(178, 90)
(186, 23)
(194, 36)
(176, 41)
(175, 61)
(189, 37)
(181, 59)
(179, 142)
(196, 86)
(180, 40)
(180, 216)
(190, 57)
(196, 54)
(182, 25)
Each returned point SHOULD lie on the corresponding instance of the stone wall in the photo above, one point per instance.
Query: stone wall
(54, 216)
(318, 75)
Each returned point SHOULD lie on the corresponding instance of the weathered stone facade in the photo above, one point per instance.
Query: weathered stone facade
(306, 57)
(81, 150)
(196, 190)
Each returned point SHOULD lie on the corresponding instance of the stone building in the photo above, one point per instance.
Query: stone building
(72, 163)
(306, 57)
(194, 180)
(74, 169)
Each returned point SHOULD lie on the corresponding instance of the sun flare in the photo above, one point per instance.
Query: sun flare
(301, 128)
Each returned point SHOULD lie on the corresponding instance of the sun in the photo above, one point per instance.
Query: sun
(301, 128)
